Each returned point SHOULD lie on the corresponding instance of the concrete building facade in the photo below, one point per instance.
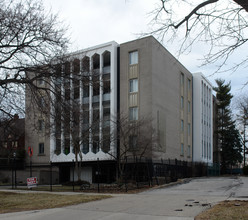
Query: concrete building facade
(164, 95)
(140, 80)
(203, 119)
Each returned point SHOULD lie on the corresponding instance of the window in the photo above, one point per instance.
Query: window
(133, 114)
(41, 148)
(133, 142)
(106, 86)
(40, 81)
(41, 125)
(42, 102)
(188, 106)
(182, 149)
(76, 92)
(133, 57)
(189, 151)
(133, 85)
(189, 129)
(189, 85)
(96, 90)
(182, 102)
(182, 79)
(67, 94)
(86, 90)
(182, 126)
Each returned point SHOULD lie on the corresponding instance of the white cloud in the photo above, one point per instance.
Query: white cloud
(95, 22)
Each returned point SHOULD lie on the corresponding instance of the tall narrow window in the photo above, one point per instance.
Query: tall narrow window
(189, 84)
(182, 149)
(133, 142)
(188, 106)
(182, 126)
(41, 148)
(133, 85)
(41, 125)
(133, 114)
(182, 79)
(189, 127)
(182, 102)
(133, 57)
(189, 151)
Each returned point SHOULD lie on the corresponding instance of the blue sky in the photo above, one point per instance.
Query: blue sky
(93, 22)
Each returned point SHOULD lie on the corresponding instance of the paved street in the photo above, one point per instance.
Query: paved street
(182, 201)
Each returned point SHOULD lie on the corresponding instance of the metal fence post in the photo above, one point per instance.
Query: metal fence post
(73, 175)
(98, 171)
(51, 177)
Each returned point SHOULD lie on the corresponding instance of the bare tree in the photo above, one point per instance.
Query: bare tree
(222, 25)
(68, 113)
(242, 119)
(137, 140)
(30, 38)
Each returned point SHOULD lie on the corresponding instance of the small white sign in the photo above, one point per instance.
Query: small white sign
(32, 182)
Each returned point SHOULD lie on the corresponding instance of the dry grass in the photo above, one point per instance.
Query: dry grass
(228, 210)
(15, 202)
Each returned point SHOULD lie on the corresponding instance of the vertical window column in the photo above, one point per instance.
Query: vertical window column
(100, 103)
(71, 104)
(133, 86)
(80, 78)
(62, 110)
(90, 106)
(182, 133)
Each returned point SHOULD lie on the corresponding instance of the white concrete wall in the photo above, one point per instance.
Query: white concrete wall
(202, 119)
(91, 156)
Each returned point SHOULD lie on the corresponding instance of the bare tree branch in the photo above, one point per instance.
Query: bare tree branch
(220, 26)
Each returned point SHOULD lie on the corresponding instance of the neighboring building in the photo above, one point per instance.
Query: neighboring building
(216, 146)
(203, 119)
(12, 138)
(138, 79)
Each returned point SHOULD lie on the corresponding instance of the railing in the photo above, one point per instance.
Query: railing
(106, 97)
(106, 69)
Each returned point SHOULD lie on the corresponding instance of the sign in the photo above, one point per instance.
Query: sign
(32, 182)
(30, 151)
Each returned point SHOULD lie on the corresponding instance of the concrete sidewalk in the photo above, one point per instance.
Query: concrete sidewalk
(183, 201)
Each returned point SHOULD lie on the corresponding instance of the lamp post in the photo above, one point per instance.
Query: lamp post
(14, 154)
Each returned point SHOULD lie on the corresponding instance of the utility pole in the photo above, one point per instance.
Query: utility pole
(244, 140)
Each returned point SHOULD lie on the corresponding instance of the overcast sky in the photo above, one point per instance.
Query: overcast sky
(93, 22)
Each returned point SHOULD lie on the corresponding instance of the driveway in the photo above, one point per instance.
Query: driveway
(182, 201)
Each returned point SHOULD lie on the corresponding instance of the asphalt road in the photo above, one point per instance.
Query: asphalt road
(182, 201)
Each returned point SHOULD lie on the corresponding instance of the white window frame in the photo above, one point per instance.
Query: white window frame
(133, 85)
(133, 57)
(133, 113)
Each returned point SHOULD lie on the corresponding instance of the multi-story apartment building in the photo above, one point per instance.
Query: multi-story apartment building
(154, 84)
(135, 80)
(203, 119)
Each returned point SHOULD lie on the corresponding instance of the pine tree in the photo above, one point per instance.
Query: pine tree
(229, 139)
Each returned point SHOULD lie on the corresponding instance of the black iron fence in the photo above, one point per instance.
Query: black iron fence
(156, 172)
(130, 174)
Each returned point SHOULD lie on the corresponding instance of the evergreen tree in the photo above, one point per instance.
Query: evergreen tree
(229, 139)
